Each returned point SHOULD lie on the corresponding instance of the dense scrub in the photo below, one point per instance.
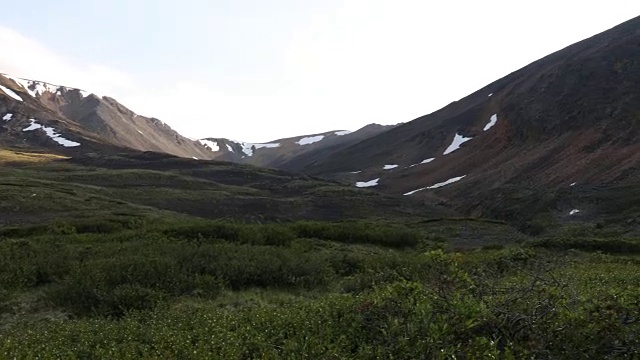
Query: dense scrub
(119, 289)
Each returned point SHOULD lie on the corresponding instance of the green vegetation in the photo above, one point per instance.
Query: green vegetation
(109, 262)
(219, 289)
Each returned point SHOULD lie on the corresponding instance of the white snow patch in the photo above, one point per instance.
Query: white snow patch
(269, 146)
(194, 158)
(211, 145)
(356, 172)
(10, 93)
(389, 167)
(24, 83)
(455, 145)
(248, 148)
(7, 117)
(490, 95)
(310, 140)
(229, 148)
(141, 133)
(40, 88)
(342, 132)
(445, 183)
(369, 183)
(573, 184)
(414, 191)
(51, 132)
(435, 186)
(492, 121)
(574, 211)
(425, 161)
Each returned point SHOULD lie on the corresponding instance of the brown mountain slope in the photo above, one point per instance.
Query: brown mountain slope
(80, 115)
(571, 117)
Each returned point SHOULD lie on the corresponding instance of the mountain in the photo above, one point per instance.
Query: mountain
(556, 137)
(103, 122)
(39, 115)
(281, 153)
(556, 141)
(74, 152)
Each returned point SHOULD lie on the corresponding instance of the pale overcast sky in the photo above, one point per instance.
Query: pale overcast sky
(257, 70)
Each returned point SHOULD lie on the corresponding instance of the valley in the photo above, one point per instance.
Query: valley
(504, 226)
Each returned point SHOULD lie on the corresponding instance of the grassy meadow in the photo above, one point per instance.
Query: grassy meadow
(106, 263)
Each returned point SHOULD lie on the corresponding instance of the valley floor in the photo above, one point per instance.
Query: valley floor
(314, 290)
(123, 257)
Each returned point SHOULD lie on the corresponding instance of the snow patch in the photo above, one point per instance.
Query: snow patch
(445, 183)
(425, 161)
(342, 132)
(10, 93)
(490, 95)
(414, 191)
(194, 158)
(356, 172)
(455, 145)
(24, 83)
(211, 145)
(51, 133)
(369, 183)
(435, 186)
(40, 87)
(574, 211)
(389, 167)
(7, 117)
(492, 122)
(310, 140)
(573, 184)
(141, 133)
(248, 148)
(229, 148)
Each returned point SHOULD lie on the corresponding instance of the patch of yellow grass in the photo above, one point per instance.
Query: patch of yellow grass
(9, 156)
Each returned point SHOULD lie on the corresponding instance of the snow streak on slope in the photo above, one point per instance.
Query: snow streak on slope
(10, 93)
(342, 132)
(211, 145)
(425, 161)
(389, 167)
(51, 132)
(414, 191)
(455, 145)
(310, 140)
(369, 183)
(7, 117)
(492, 122)
(438, 185)
(229, 148)
(445, 183)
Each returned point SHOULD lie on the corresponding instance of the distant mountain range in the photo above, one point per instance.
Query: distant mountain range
(559, 137)
(103, 122)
